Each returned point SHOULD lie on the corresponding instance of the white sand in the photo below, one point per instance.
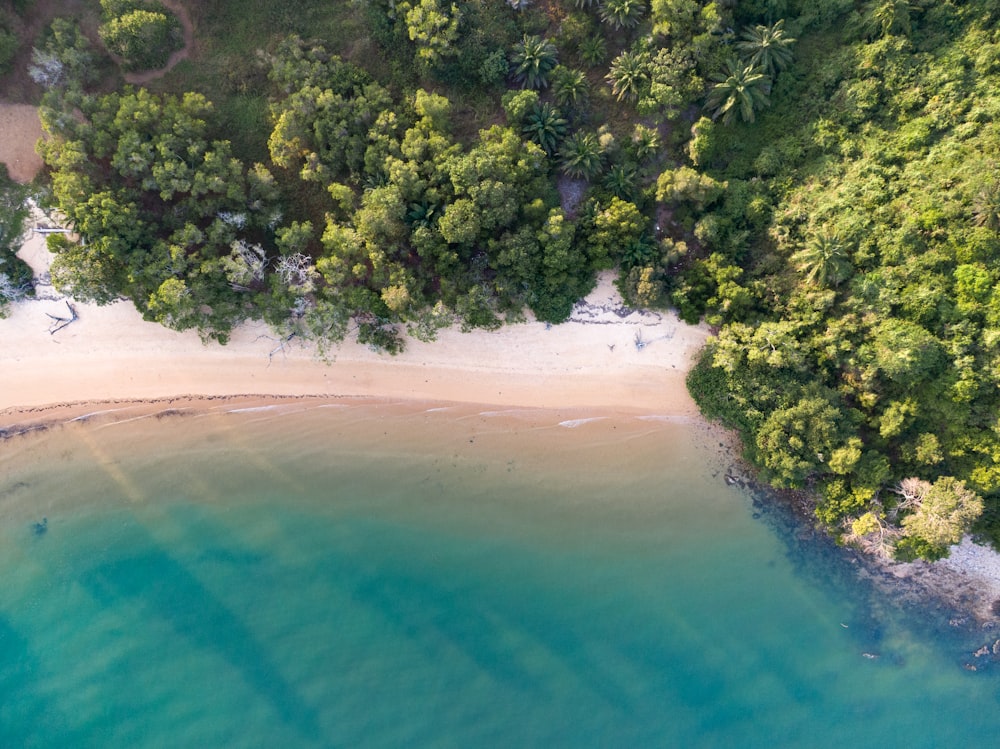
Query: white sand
(110, 353)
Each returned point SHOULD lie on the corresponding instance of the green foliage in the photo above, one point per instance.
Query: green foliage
(739, 89)
(593, 50)
(9, 45)
(142, 34)
(570, 88)
(628, 75)
(65, 58)
(766, 48)
(157, 204)
(532, 61)
(433, 27)
(545, 126)
(15, 274)
(846, 249)
(941, 513)
(622, 13)
(580, 156)
(824, 261)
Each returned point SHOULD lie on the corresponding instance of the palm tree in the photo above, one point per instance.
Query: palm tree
(623, 13)
(767, 48)
(545, 126)
(570, 87)
(824, 260)
(620, 181)
(585, 3)
(739, 88)
(986, 207)
(533, 60)
(628, 74)
(593, 50)
(580, 156)
(645, 143)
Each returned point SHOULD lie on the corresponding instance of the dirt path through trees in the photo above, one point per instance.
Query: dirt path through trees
(181, 54)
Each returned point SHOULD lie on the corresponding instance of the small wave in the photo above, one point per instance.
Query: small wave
(252, 409)
(574, 423)
(92, 414)
(666, 418)
(438, 408)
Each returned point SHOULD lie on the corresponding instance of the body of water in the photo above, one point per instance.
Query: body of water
(377, 575)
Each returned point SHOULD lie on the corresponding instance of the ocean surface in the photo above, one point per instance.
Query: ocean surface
(402, 575)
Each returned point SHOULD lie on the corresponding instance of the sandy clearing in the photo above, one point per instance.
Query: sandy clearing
(20, 129)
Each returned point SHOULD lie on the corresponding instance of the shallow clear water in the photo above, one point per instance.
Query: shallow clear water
(390, 576)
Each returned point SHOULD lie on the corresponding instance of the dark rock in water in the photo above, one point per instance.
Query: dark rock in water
(984, 650)
(40, 527)
(996, 648)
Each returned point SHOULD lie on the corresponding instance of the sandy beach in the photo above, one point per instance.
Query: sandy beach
(111, 353)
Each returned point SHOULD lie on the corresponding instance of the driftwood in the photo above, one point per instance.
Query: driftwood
(61, 322)
(280, 347)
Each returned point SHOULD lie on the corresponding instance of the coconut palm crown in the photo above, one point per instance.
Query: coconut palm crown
(532, 61)
(739, 88)
(767, 48)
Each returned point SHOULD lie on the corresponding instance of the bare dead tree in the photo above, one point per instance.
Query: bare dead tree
(246, 265)
(295, 271)
(912, 490)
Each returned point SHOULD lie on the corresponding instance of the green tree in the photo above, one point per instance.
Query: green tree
(546, 127)
(739, 89)
(580, 156)
(532, 61)
(570, 88)
(623, 13)
(795, 443)
(939, 513)
(143, 35)
(986, 207)
(433, 28)
(766, 48)
(65, 58)
(645, 143)
(593, 50)
(15, 274)
(825, 260)
(621, 181)
(628, 75)
(890, 17)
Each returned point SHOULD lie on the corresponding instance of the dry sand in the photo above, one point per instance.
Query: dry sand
(111, 353)
(20, 129)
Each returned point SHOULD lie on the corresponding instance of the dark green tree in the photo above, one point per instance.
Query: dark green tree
(739, 89)
(532, 61)
(766, 48)
(546, 127)
(824, 261)
(580, 156)
(629, 75)
(623, 14)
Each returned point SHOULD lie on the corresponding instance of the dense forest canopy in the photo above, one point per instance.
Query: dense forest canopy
(818, 179)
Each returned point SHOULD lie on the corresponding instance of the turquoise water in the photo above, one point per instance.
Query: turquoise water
(382, 576)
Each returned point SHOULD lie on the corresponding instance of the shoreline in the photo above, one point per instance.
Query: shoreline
(110, 360)
(605, 356)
